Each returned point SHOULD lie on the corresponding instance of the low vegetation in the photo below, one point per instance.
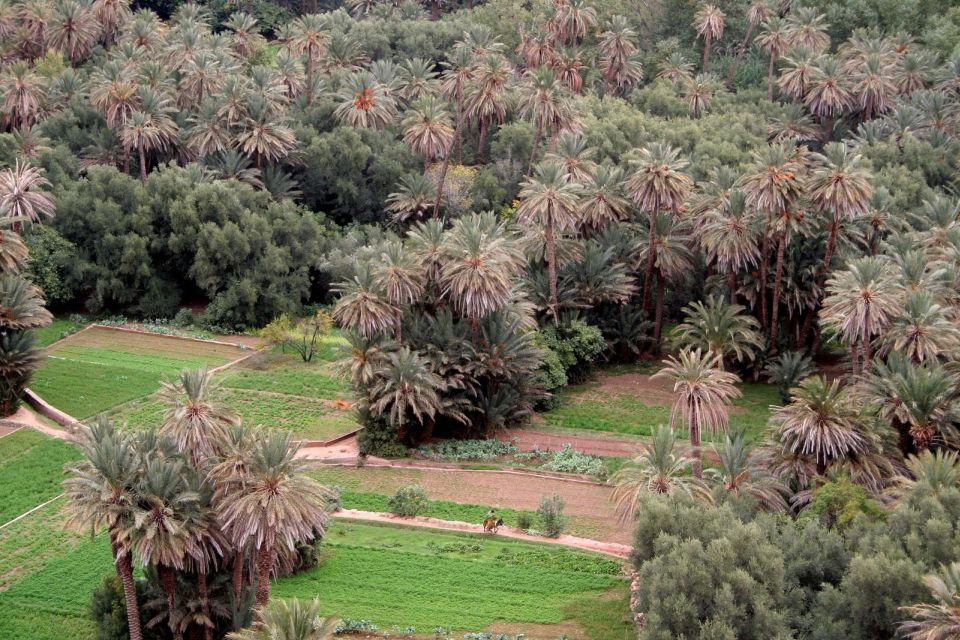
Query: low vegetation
(31, 466)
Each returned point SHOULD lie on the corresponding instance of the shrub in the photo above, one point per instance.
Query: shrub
(552, 520)
(379, 438)
(349, 625)
(567, 460)
(524, 520)
(185, 318)
(109, 613)
(467, 449)
(308, 333)
(839, 502)
(577, 344)
(408, 501)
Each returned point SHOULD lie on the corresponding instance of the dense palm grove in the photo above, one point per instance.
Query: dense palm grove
(494, 199)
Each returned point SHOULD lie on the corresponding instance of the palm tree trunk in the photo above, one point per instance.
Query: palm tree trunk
(238, 575)
(706, 51)
(533, 149)
(309, 70)
(143, 164)
(866, 338)
(125, 571)
(552, 271)
(648, 272)
(458, 134)
(854, 364)
(204, 594)
(743, 49)
(775, 302)
(821, 272)
(770, 79)
(446, 166)
(827, 127)
(695, 451)
(732, 283)
(434, 10)
(265, 557)
(482, 142)
(168, 581)
(764, 261)
(658, 322)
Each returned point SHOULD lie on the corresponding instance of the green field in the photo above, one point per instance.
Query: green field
(59, 328)
(440, 509)
(582, 409)
(388, 574)
(407, 577)
(31, 468)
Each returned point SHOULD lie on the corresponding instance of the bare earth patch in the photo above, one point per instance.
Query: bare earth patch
(531, 440)
(635, 385)
(148, 344)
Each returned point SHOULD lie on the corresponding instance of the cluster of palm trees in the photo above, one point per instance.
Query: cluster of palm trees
(206, 506)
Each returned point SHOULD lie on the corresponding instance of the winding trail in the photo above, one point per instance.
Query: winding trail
(584, 544)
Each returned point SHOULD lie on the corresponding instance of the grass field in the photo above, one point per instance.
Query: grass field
(100, 368)
(440, 509)
(584, 408)
(31, 468)
(59, 328)
(411, 577)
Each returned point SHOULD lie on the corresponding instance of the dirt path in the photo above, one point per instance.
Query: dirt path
(585, 544)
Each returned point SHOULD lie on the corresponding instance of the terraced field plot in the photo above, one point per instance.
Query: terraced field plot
(100, 368)
(31, 468)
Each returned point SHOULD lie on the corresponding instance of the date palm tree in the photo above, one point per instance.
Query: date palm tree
(193, 417)
(365, 103)
(619, 63)
(703, 392)
(14, 254)
(457, 75)
(412, 199)
(545, 102)
(828, 95)
(657, 470)
(698, 93)
(721, 328)
(923, 329)
(938, 620)
(860, 303)
(821, 421)
(673, 258)
(574, 19)
(729, 235)
(208, 134)
(21, 193)
(549, 201)
(263, 132)
(427, 129)
(100, 490)
(486, 99)
(709, 21)
(774, 42)
(603, 200)
(676, 69)
(363, 306)
(405, 387)
(658, 183)
(798, 69)
(740, 473)
(288, 620)
(401, 279)
(280, 506)
(929, 474)
(24, 94)
(309, 36)
(806, 27)
(72, 29)
(758, 12)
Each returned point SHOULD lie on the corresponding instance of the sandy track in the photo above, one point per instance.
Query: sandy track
(585, 544)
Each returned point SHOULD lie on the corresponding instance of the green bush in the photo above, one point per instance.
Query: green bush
(524, 520)
(408, 501)
(467, 449)
(567, 460)
(108, 611)
(552, 520)
(576, 344)
(838, 502)
(185, 318)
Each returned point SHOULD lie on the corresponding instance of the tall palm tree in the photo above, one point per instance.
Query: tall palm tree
(619, 63)
(923, 329)
(263, 132)
(658, 183)
(774, 42)
(362, 306)
(545, 102)
(828, 96)
(603, 201)
(758, 12)
(73, 29)
(412, 199)
(798, 69)
(24, 94)
(100, 491)
(487, 97)
(21, 305)
(573, 152)
(709, 22)
(288, 620)
(941, 619)
(861, 301)
(309, 36)
(676, 69)
(806, 27)
(458, 72)
(427, 129)
(703, 392)
(729, 235)
(821, 421)
(574, 19)
(673, 257)
(405, 387)
(721, 328)
(365, 103)
(550, 201)
(698, 93)
(280, 507)
(401, 279)
(193, 417)
(21, 193)
(740, 473)
(657, 470)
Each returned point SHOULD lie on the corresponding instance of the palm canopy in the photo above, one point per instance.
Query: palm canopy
(840, 182)
(21, 193)
(703, 390)
(940, 619)
(659, 180)
(930, 474)
(193, 417)
(363, 306)
(427, 129)
(405, 385)
(739, 473)
(720, 327)
(288, 620)
(548, 198)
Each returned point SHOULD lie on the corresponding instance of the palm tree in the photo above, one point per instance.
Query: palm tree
(798, 69)
(21, 194)
(658, 183)
(759, 12)
(193, 418)
(208, 133)
(413, 198)
(309, 35)
(73, 28)
(603, 201)
(873, 85)
(427, 129)
(793, 124)
(939, 620)
(721, 328)
(418, 78)
(362, 306)
(100, 493)
(619, 63)
(929, 475)
(805, 27)
(487, 97)
(657, 470)
(739, 473)
(573, 152)
(457, 75)
(698, 93)
(676, 69)
(365, 103)
(828, 96)
(280, 506)
(400, 278)
(405, 386)
(703, 392)
(821, 421)
(861, 301)
(773, 40)
(709, 22)
(729, 235)
(787, 370)
(21, 305)
(24, 94)
(923, 329)
(673, 258)
(288, 620)
(550, 201)
(14, 254)
(263, 133)
(545, 102)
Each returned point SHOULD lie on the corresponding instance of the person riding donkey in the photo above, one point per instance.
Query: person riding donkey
(492, 523)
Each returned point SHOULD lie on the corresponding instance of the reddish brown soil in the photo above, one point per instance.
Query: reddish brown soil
(7, 430)
(152, 344)
(531, 439)
(637, 385)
